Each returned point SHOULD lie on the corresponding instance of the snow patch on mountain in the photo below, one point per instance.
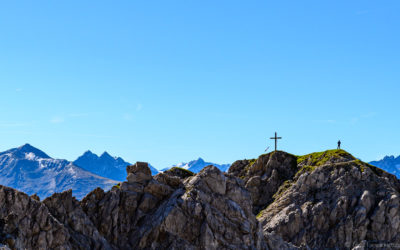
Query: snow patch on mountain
(197, 165)
(30, 156)
(32, 171)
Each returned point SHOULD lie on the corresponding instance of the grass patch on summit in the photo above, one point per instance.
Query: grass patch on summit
(309, 162)
(321, 158)
(181, 171)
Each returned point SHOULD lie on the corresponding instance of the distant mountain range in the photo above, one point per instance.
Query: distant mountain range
(32, 171)
(197, 165)
(390, 164)
(106, 165)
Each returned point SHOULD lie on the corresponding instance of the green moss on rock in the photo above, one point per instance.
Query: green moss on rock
(181, 172)
(309, 162)
(251, 163)
(260, 214)
(282, 189)
(321, 158)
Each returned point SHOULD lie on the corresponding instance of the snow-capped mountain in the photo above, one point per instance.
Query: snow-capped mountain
(32, 171)
(390, 164)
(197, 165)
(106, 165)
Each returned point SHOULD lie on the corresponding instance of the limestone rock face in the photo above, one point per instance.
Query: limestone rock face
(264, 176)
(327, 200)
(339, 204)
(210, 210)
(67, 210)
(140, 173)
(27, 224)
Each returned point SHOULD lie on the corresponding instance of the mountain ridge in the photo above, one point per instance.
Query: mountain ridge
(34, 172)
(105, 165)
(389, 163)
(322, 200)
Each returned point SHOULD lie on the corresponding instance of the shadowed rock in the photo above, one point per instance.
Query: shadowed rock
(67, 210)
(27, 224)
(264, 176)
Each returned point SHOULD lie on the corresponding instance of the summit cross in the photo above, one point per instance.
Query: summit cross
(276, 138)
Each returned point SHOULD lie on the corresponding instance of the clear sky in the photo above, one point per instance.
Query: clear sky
(171, 81)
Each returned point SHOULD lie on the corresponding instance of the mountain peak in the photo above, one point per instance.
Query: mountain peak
(389, 157)
(106, 155)
(197, 165)
(89, 155)
(88, 152)
(27, 148)
(106, 165)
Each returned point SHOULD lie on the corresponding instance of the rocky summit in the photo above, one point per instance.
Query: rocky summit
(278, 201)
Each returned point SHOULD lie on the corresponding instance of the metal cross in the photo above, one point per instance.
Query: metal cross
(276, 140)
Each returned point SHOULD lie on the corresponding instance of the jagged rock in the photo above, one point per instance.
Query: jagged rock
(367, 200)
(158, 189)
(172, 181)
(179, 172)
(213, 178)
(264, 176)
(336, 203)
(173, 177)
(213, 212)
(134, 187)
(210, 210)
(139, 167)
(35, 197)
(138, 178)
(148, 203)
(67, 210)
(139, 173)
(27, 224)
(322, 200)
(276, 242)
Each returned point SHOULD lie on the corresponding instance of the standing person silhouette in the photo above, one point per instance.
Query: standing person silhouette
(338, 144)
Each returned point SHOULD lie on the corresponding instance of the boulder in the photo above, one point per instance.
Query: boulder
(139, 173)
(139, 167)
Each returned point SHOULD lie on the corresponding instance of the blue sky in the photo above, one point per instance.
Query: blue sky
(170, 81)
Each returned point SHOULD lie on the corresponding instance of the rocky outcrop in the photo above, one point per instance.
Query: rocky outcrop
(336, 203)
(210, 210)
(317, 201)
(173, 210)
(67, 210)
(27, 224)
(264, 176)
(173, 177)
